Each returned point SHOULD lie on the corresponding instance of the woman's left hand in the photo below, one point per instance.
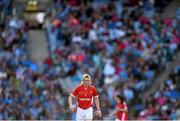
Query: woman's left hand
(99, 113)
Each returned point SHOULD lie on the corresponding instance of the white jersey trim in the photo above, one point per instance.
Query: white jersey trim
(96, 96)
(72, 95)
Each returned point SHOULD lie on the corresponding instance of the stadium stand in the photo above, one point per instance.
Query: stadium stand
(124, 45)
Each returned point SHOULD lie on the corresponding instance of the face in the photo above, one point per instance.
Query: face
(117, 99)
(86, 81)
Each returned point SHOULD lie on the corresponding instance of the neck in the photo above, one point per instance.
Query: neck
(119, 101)
(85, 86)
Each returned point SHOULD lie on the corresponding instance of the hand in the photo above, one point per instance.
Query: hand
(110, 115)
(99, 113)
(118, 109)
(72, 108)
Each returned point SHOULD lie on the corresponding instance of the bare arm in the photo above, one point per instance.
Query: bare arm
(98, 112)
(96, 100)
(122, 109)
(118, 109)
(71, 107)
(70, 100)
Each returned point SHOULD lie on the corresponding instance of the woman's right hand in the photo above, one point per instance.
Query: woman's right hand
(72, 108)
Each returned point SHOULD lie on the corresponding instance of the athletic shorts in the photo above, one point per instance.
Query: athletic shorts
(84, 114)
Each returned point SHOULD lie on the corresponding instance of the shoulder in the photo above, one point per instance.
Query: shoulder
(124, 103)
(92, 87)
(79, 86)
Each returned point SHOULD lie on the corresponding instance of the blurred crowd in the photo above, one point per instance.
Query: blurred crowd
(122, 44)
(164, 102)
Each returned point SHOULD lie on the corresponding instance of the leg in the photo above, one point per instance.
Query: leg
(80, 114)
(88, 114)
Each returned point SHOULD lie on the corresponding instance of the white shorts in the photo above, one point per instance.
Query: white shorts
(84, 114)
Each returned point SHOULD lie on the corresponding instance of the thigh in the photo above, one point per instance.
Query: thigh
(89, 114)
(80, 114)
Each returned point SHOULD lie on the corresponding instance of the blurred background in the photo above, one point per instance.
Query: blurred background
(129, 47)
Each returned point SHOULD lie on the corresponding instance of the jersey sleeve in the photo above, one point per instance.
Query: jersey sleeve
(95, 93)
(74, 93)
(125, 105)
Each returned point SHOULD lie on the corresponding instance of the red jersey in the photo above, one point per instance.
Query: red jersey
(122, 115)
(84, 97)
